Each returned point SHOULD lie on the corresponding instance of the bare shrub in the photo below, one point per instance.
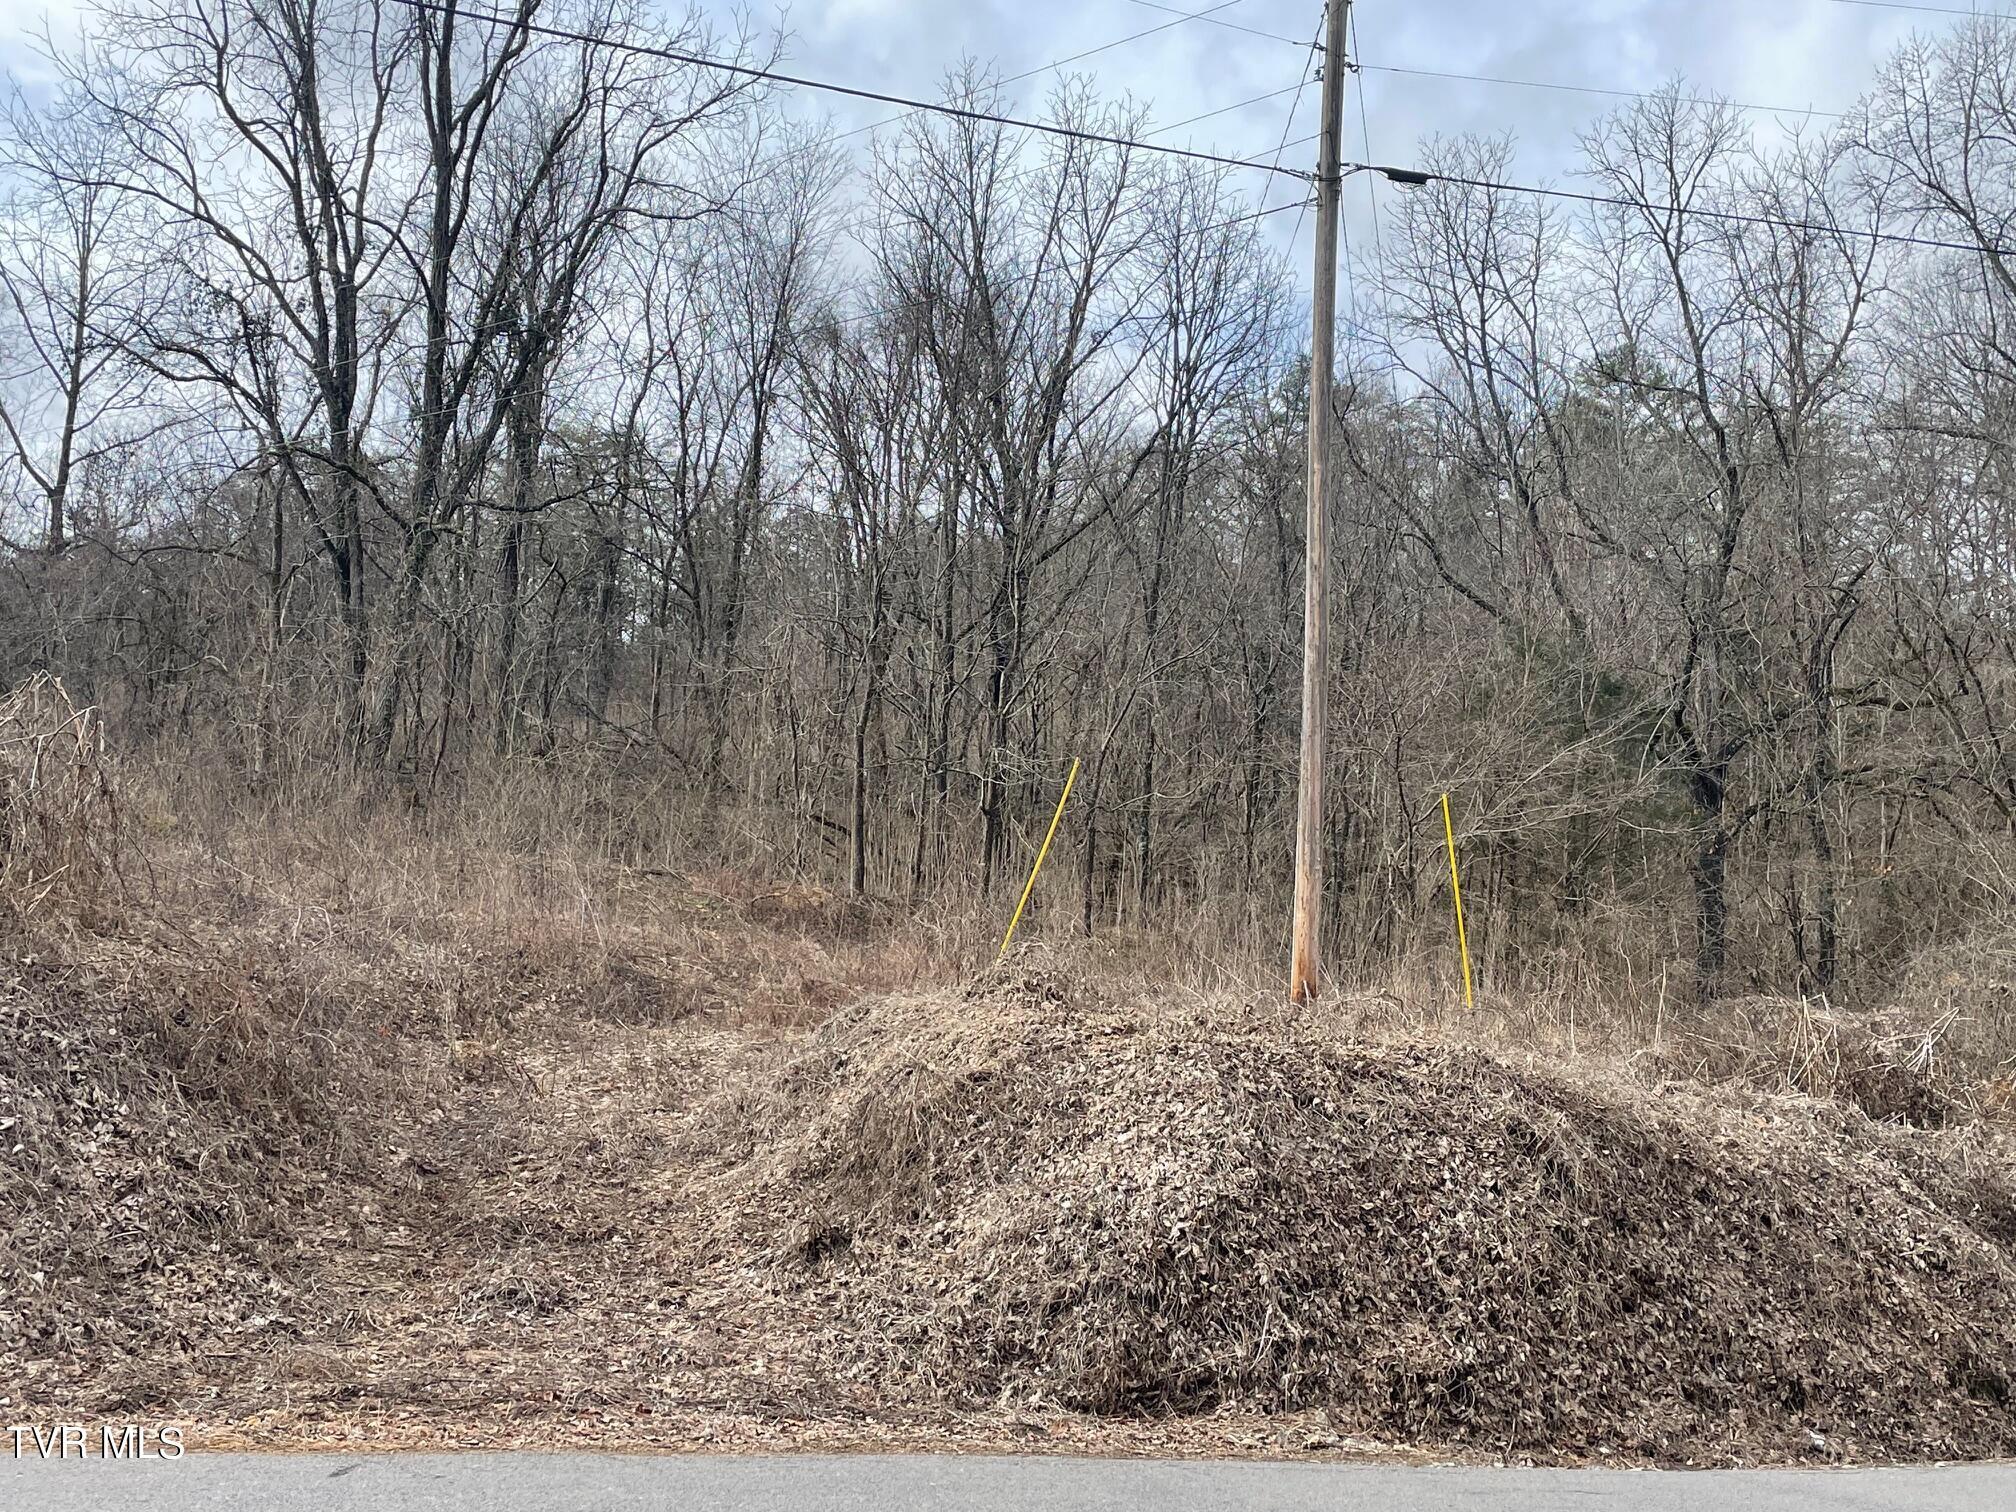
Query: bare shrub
(1952, 1019)
(59, 815)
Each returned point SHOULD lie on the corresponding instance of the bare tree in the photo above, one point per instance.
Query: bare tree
(68, 277)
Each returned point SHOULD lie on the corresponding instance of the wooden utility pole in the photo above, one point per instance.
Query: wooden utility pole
(1304, 970)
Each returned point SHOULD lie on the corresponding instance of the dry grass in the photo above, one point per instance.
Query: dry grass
(296, 1016)
(59, 823)
(334, 1114)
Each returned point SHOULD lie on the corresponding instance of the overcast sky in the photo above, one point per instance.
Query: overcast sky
(1796, 53)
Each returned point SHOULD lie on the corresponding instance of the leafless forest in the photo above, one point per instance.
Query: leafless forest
(408, 410)
(547, 596)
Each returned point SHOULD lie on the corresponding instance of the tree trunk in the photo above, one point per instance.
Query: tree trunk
(1710, 871)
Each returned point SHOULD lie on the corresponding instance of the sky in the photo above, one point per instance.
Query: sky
(1817, 54)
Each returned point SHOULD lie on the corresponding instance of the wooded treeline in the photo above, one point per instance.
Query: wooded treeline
(395, 393)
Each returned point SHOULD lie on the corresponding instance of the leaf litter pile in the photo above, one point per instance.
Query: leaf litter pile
(1023, 1202)
(1133, 1209)
(291, 1177)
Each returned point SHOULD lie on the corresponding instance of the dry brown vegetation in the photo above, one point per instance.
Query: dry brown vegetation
(397, 1129)
(576, 625)
(767, 497)
(1028, 1190)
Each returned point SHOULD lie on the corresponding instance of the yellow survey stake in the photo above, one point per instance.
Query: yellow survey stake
(1030, 886)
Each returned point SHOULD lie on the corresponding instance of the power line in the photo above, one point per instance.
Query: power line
(750, 71)
(1182, 16)
(1315, 51)
(1296, 104)
(1399, 175)
(1365, 136)
(1209, 20)
(1259, 99)
(1413, 177)
(873, 312)
(1253, 215)
(1027, 73)
(1030, 73)
(1622, 94)
(1371, 200)
(1931, 10)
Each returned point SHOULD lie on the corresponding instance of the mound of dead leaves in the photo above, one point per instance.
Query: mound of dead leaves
(1030, 1192)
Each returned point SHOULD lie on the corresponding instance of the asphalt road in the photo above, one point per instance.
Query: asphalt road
(873, 1483)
